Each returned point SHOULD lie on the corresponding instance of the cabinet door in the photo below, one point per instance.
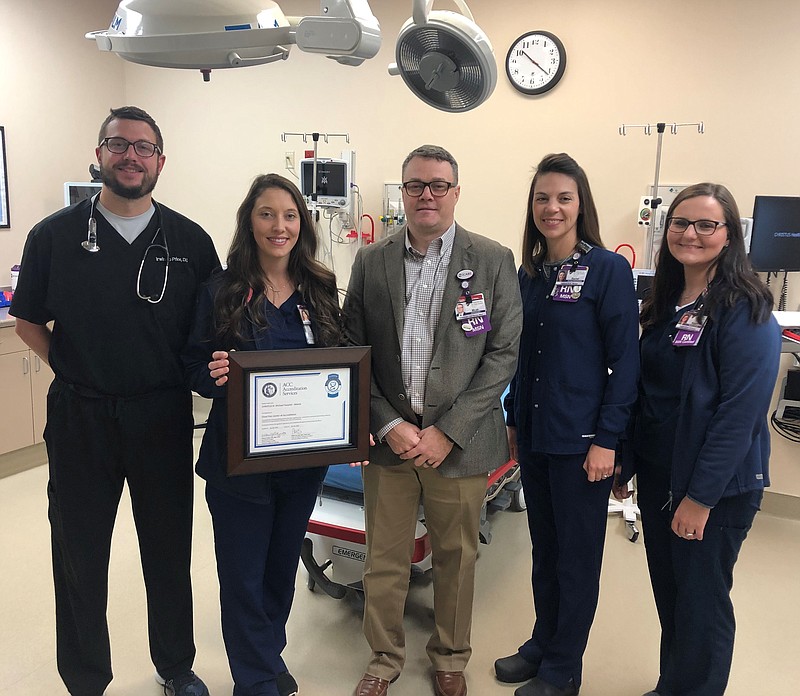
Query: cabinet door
(41, 378)
(16, 415)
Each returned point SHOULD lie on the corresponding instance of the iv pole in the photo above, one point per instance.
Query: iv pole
(314, 193)
(655, 201)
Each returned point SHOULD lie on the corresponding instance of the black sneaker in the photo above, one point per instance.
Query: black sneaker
(514, 669)
(188, 684)
(286, 684)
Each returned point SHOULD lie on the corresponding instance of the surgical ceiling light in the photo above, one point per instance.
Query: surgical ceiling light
(208, 34)
(443, 57)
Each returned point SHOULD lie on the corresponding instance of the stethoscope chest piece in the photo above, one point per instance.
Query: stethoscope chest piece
(91, 245)
(91, 237)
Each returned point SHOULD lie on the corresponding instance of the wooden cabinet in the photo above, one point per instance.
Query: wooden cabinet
(23, 406)
(41, 379)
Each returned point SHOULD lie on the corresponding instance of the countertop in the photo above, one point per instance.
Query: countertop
(5, 320)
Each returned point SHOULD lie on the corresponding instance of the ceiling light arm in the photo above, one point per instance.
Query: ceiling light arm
(346, 31)
(421, 10)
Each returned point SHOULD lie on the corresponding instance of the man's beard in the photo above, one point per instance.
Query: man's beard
(130, 192)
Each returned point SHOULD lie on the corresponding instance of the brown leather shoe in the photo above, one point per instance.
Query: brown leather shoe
(372, 686)
(449, 684)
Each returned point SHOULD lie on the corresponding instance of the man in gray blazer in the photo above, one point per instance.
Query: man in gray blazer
(441, 308)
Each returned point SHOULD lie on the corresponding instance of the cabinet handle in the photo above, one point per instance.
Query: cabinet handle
(37, 363)
(26, 366)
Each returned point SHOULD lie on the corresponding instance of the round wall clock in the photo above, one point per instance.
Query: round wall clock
(536, 62)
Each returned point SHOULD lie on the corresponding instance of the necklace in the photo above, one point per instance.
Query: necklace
(549, 266)
(689, 297)
(278, 290)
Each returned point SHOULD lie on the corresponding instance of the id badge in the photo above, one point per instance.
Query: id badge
(476, 325)
(476, 308)
(569, 283)
(689, 328)
(305, 318)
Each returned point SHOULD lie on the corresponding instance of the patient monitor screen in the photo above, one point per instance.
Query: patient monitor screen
(331, 178)
(775, 243)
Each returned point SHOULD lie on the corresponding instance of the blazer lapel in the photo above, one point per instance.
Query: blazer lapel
(394, 268)
(460, 258)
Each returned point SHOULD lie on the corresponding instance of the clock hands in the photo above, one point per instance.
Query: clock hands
(543, 66)
(546, 72)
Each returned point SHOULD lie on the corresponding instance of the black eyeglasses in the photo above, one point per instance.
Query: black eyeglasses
(119, 146)
(702, 227)
(437, 188)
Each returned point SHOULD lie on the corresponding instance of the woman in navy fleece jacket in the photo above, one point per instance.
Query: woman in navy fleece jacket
(700, 434)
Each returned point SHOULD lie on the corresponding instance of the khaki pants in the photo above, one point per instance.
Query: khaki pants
(452, 516)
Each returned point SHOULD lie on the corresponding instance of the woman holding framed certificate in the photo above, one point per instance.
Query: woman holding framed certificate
(273, 295)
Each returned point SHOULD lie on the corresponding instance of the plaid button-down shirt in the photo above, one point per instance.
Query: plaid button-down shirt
(425, 280)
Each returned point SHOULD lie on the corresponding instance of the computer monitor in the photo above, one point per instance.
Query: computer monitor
(333, 182)
(775, 240)
(77, 191)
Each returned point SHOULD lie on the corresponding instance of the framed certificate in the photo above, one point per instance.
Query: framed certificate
(291, 409)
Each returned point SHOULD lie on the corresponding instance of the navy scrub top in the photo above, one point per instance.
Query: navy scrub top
(284, 332)
(563, 397)
(659, 393)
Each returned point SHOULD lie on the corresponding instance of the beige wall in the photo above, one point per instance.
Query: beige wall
(54, 92)
(730, 64)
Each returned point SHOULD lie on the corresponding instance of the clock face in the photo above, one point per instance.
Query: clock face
(536, 62)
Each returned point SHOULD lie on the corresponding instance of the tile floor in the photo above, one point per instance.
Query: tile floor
(326, 651)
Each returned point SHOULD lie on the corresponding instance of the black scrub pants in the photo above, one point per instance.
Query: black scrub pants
(567, 516)
(94, 444)
(692, 582)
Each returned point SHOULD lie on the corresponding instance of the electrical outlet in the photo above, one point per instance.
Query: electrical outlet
(288, 160)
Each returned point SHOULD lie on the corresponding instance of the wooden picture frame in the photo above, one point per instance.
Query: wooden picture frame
(292, 409)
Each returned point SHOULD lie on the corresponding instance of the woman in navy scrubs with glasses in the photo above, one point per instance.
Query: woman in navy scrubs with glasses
(273, 295)
(568, 404)
(710, 351)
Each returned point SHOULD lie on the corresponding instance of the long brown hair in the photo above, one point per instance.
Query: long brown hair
(241, 286)
(734, 278)
(534, 246)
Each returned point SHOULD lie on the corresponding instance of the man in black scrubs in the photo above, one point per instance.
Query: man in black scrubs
(117, 277)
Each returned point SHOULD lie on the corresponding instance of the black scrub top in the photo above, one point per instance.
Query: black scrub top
(107, 340)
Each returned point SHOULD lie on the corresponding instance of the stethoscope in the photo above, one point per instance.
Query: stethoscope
(92, 246)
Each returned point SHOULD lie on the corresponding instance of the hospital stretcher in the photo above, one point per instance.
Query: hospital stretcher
(334, 549)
